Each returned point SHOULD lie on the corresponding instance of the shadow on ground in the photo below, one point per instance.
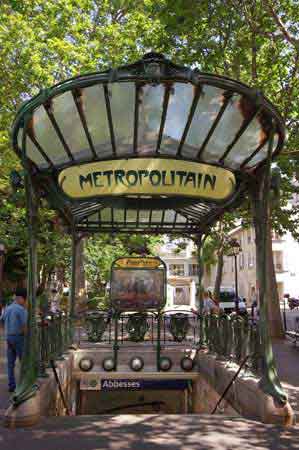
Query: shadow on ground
(149, 432)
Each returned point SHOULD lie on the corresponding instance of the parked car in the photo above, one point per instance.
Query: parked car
(228, 301)
(293, 302)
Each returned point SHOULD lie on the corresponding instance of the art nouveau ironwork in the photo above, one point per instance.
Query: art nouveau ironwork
(150, 110)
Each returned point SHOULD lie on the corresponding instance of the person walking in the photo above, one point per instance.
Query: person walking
(208, 304)
(15, 327)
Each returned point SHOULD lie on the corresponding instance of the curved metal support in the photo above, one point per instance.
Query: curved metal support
(29, 365)
(259, 192)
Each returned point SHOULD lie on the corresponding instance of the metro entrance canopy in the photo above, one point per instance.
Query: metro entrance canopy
(150, 147)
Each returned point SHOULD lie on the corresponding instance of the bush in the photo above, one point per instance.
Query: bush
(98, 302)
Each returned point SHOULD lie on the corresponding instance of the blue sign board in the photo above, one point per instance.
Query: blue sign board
(136, 385)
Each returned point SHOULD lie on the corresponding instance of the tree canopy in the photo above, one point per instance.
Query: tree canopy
(254, 41)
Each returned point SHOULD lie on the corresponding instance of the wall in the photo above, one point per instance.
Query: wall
(245, 395)
(286, 262)
(185, 258)
(50, 400)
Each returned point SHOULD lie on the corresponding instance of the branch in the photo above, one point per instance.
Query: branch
(290, 87)
(291, 39)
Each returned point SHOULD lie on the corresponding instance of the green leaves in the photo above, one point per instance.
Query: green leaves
(43, 42)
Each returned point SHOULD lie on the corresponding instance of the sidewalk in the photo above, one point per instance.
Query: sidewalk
(150, 432)
(4, 394)
(287, 360)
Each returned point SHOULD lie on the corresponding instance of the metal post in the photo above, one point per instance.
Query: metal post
(259, 191)
(115, 345)
(199, 242)
(75, 242)
(236, 285)
(29, 365)
(284, 314)
(158, 340)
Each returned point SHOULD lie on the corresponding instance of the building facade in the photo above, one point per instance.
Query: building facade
(286, 264)
(182, 279)
(182, 267)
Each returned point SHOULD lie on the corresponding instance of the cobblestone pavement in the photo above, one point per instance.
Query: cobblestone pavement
(150, 432)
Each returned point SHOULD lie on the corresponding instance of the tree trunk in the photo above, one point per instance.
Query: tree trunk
(274, 315)
(44, 275)
(219, 272)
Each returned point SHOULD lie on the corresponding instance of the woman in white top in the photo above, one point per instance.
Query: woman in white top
(208, 304)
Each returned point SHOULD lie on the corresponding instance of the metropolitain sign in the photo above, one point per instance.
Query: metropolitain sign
(147, 176)
(133, 263)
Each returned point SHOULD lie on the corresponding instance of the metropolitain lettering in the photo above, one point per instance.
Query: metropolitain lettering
(131, 178)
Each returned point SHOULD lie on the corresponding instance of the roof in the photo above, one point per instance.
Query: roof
(116, 135)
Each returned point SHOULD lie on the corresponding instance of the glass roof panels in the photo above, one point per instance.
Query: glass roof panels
(152, 108)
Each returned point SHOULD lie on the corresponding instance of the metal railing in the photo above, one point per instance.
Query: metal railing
(175, 327)
(54, 337)
(228, 337)
(233, 338)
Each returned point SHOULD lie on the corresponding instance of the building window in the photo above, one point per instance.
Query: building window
(176, 270)
(275, 236)
(278, 261)
(181, 296)
(193, 270)
(250, 260)
(249, 236)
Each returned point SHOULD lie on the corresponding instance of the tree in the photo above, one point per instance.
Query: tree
(101, 250)
(254, 41)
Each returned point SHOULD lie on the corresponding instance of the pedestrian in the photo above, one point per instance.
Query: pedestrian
(208, 304)
(15, 326)
(215, 301)
(55, 306)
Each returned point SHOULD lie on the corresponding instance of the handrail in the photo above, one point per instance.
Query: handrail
(133, 405)
(52, 363)
(230, 384)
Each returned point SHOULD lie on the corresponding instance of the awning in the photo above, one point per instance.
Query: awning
(150, 147)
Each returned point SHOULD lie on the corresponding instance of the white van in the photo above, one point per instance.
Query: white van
(228, 300)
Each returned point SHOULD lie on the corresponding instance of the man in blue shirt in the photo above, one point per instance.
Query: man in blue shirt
(15, 324)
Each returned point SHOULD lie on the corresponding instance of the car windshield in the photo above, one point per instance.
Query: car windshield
(228, 296)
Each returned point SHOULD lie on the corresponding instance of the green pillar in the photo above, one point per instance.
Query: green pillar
(199, 243)
(75, 243)
(260, 192)
(26, 388)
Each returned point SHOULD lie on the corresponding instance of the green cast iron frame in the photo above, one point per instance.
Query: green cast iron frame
(152, 69)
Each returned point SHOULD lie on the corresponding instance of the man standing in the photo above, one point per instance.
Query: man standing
(15, 324)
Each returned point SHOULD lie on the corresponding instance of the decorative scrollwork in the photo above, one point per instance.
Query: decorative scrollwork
(95, 326)
(179, 326)
(137, 326)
